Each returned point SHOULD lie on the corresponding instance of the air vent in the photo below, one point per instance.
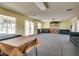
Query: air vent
(70, 9)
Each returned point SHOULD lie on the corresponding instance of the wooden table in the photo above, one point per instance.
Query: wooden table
(17, 46)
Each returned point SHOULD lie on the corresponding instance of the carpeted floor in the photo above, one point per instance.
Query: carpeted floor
(55, 45)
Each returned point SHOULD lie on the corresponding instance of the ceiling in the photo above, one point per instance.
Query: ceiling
(56, 10)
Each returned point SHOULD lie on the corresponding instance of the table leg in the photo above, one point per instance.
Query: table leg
(25, 54)
(36, 51)
(0, 52)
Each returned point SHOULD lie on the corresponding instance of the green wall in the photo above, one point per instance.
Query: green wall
(20, 20)
(46, 25)
(65, 24)
(62, 25)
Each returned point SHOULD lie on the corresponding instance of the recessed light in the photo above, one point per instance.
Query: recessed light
(34, 15)
(53, 19)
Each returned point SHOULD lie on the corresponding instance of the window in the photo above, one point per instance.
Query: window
(29, 28)
(32, 27)
(73, 25)
(7, 24)
(78, 26)
(39, 25)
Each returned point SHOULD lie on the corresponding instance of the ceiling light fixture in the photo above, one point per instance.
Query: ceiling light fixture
(41, 5)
